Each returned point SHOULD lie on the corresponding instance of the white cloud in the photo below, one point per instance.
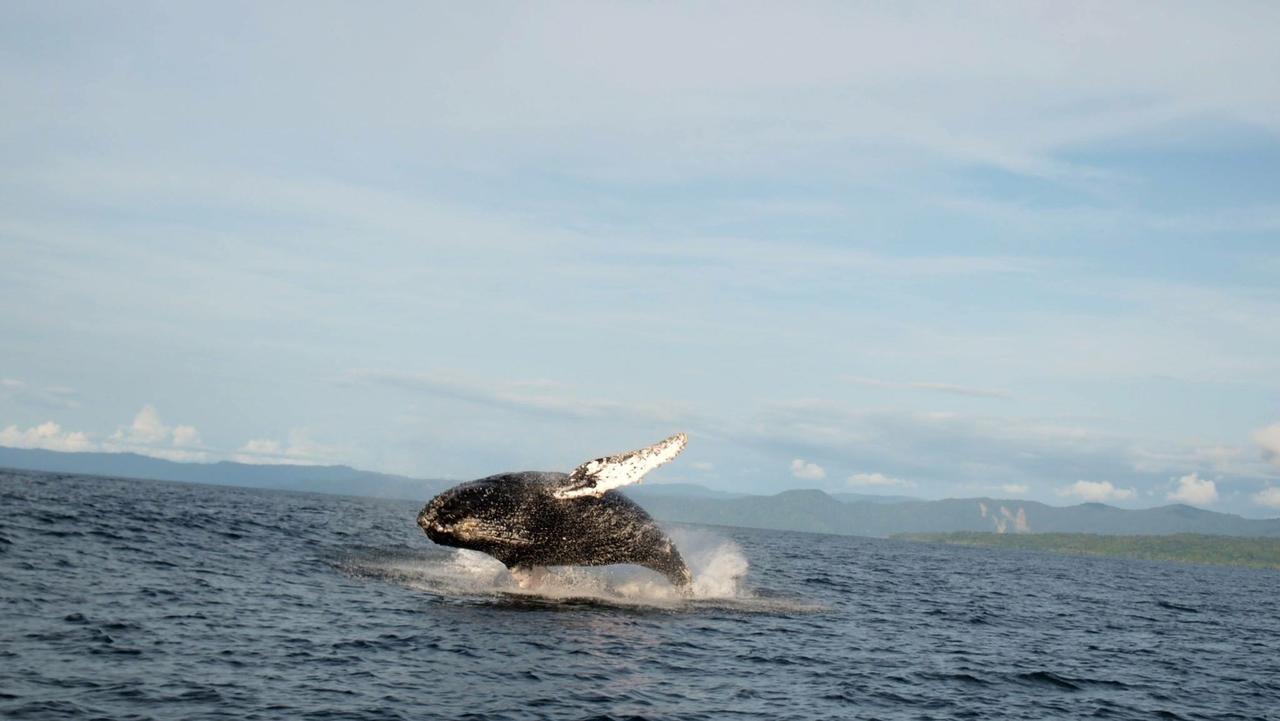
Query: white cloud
(262, 446)
(1194, 490)
(186, 436)
(147, 428)
(704, 465)
(1012, 489)
(806, 471)
(48, 435)
(149, 435)
(1269, 497)
(1268, 437)
(1097, 491)
(300, 450)
(871, 480)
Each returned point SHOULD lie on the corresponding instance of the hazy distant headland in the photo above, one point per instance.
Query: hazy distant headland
(341, 480)
(813, 510)
(1185, 547)
(796, 510)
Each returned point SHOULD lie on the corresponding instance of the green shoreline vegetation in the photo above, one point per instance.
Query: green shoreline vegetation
(1186, 548)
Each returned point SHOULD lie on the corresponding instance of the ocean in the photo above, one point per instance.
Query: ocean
(128, 599)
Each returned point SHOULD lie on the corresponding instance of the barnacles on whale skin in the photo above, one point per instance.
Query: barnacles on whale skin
(531, 519)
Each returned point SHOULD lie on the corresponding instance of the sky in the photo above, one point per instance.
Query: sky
(1022, 250)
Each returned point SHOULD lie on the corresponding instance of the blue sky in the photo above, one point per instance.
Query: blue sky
(1026, 251)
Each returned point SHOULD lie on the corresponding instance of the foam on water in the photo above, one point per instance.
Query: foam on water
(718, 565)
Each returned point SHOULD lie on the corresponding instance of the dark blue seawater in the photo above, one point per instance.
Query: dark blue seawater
(135, 599)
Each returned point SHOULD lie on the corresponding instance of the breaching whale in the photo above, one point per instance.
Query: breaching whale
(530, 520)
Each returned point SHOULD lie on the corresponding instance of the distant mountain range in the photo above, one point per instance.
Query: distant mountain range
(810, 510)
(341, 480)
(800, 510)
(872, 498)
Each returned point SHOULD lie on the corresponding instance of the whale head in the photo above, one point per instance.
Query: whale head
(480, 515)
(443, 518)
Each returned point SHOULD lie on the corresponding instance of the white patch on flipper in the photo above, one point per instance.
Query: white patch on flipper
(598, 476)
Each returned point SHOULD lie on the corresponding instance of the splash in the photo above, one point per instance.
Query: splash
(718, 565)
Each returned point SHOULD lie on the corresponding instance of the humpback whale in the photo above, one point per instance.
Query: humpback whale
(531, 519)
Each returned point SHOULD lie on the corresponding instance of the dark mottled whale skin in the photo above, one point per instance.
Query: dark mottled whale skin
(515, 518)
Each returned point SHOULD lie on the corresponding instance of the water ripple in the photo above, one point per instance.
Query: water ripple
(140, 600)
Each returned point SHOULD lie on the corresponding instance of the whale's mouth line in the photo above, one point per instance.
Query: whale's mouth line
(470, 532)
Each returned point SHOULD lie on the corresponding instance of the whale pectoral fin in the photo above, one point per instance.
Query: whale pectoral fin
(677, 573)
(666, 560)
(595, 477)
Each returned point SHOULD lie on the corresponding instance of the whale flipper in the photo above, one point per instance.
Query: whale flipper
(596, 477)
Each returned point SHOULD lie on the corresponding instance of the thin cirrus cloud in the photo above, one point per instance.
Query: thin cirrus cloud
(859, 79)
(951, 388)
(536, 397)
(46, 396)
(910, 443)
(636, 212)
